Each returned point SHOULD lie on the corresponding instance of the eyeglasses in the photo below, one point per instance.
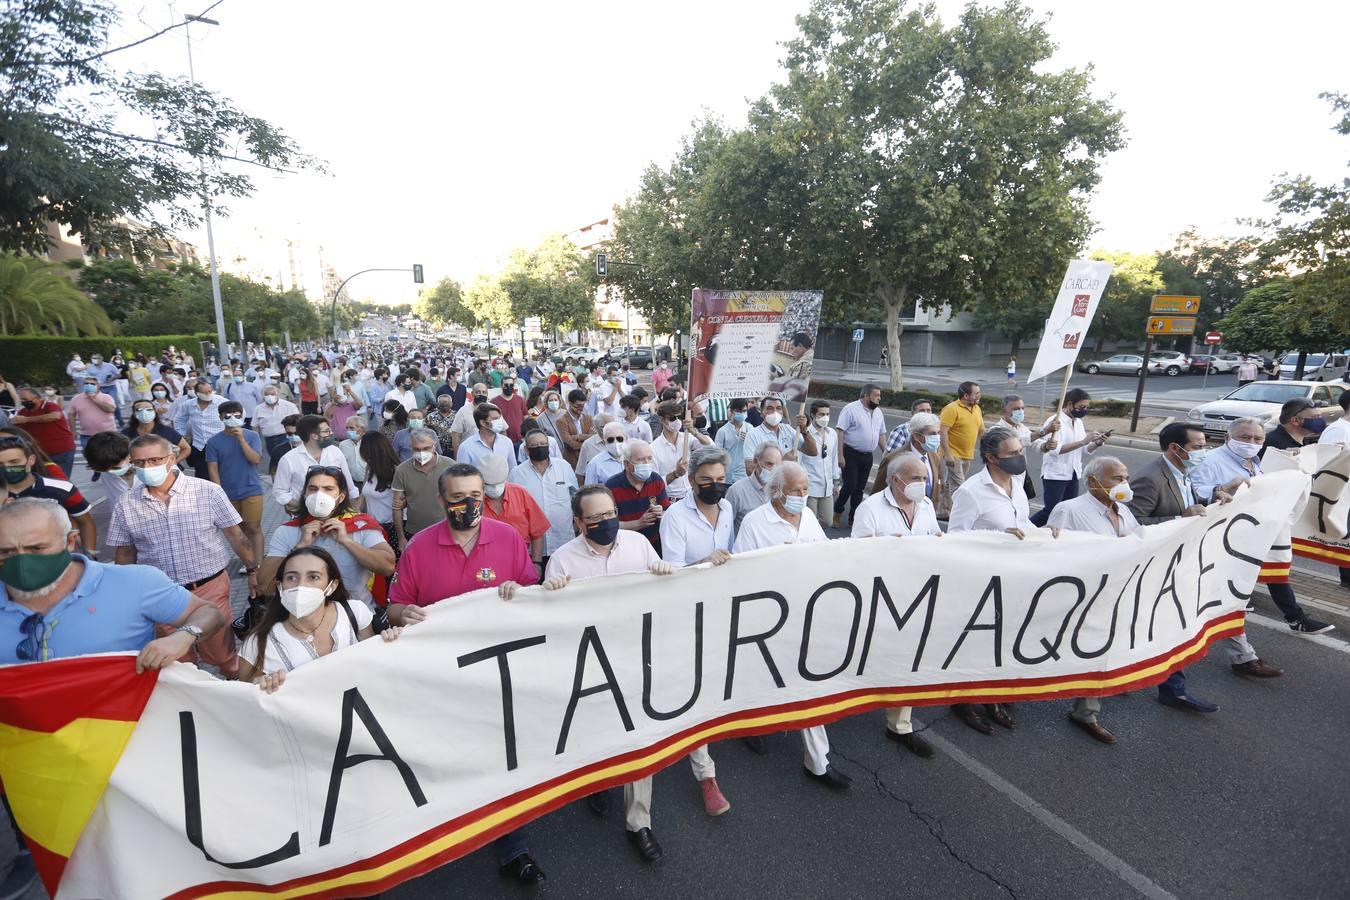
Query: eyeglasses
(151, 462)
(34, 630)
(602, 517)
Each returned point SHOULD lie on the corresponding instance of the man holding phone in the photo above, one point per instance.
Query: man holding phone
(1062, 465)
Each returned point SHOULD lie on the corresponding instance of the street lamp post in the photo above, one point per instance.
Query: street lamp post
(222, 344)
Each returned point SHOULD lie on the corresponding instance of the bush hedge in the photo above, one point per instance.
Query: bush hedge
(42, 360)
(990, 403)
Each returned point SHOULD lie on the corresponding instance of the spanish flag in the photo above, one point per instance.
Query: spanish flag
(63, 727)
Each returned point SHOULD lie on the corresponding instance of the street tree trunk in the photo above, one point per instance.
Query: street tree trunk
(894, 302)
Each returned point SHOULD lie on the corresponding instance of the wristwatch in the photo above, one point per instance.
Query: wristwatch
(193, 630)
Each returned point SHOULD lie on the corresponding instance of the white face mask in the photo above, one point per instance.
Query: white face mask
(764, 475)
(145, 415)
(320, 504)
(615, 450)
(388, 417)
(1121, 493)
(915, 491)
(822, 421)
(301, 601)
(494, 490)
(499, 425)
(270, 399)
(233, 421)
(553, 406)
(773, 419)
(1244, 449)
(424, 456)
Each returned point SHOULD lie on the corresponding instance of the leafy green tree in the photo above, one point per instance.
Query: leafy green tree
(1275, 317)
(1310, 234)
(554, 281)
(444, 303)
(67, 155)
(120, 286)
(1219, 271)
(1123, 311)
(489, 302)
(37, 297)
(900, 160)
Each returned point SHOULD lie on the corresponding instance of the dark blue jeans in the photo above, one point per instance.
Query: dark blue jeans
(66, 461)
(1055, 491)
(511, 845)
(1175, 683)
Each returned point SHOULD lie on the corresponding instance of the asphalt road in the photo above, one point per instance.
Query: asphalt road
(1248, 802)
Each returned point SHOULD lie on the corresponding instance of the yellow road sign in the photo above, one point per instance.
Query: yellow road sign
(1175, 303)
(1171, 325)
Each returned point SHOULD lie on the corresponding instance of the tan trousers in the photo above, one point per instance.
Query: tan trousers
(637, 804)
(954, 475)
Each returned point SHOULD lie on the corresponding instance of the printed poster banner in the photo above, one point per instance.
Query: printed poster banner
(752, 344)
(1322, 530)
(382, 761)
(1075, 305)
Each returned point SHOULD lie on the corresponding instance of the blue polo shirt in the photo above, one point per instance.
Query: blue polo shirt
(238, 476)
(111, 608)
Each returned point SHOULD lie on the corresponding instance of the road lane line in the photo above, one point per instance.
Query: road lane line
(1090, 848)
(1325, 641)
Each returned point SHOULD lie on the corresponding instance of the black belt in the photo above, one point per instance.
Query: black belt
(193, 585)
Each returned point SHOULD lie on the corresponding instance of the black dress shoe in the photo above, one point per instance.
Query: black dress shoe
(832, 778)
(756, 743)
(646, 844)
(524, 870)
(967, 713)
(599, 803)
(913, 743)
(1001, 715)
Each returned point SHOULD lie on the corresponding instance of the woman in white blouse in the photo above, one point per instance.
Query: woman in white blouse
(308, 617)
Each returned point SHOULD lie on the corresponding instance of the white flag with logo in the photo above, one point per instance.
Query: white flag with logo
(1079, 294)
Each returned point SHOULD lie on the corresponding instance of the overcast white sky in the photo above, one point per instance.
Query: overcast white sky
(455, 132)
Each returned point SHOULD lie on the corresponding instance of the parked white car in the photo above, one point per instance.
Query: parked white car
(1317, 367)
(1262, 400)
(1171, 362)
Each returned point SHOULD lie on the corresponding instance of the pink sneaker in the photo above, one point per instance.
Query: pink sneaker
(713, 801)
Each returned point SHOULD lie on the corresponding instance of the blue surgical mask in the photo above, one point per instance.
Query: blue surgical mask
(91, 389)
(738, 417)
(353, 435)
(642, 470)
(794, 504)
(1018, 415)
(932, 443)
(1194, 458)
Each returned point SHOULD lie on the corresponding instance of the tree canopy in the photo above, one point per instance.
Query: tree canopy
(444, 304)
(37, 297)
(69, 154)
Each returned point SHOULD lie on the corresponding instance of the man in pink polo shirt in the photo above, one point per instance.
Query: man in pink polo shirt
(468, 552)
(603, 548)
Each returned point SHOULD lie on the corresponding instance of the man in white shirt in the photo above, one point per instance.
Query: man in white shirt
(603, 548)
(668, 450)
(635, 428)
(1062, 465)
(903, 508)
(551, 483)
(463, 427)
(491, 437)
(402, 393)
(993, 500)
(317, 447)
(822, 466)
(1338, 432)
(1101, 510)
(198, 420)
(784, 520)
(750, 493)
(862, 429)
(604, 466)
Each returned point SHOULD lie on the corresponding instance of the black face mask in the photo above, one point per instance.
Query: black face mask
(711, 494)
(603, 533)
(538, 454)
(1013, 465)
(508, 390)
(464, 514)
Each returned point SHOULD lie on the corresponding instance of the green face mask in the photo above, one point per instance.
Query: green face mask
(34, 571)
(14, 474)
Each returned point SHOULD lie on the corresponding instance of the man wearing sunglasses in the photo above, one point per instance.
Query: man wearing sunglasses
(58, 602)
(604, 466)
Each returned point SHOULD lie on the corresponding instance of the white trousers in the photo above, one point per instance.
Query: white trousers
(701, 761)
(898, 719)
(815, 749)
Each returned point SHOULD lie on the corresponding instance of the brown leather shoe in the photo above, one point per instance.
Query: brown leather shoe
(967, 713)
(1000, 714)
(836, 520)
(1096, 729)
(1257, 669)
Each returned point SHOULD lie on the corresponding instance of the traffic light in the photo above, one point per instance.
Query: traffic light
(417, 273)
(601, 264)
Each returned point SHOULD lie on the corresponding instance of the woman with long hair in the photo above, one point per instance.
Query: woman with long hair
(309, 392)
(534, 403)
(145, 419)
(309, 615)
(395, 427)
(378, 489)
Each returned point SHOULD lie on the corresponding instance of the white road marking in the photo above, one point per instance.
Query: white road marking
(1322, 639)
(1090, 848)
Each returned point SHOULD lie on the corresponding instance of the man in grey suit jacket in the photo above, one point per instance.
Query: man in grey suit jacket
(1162, 492)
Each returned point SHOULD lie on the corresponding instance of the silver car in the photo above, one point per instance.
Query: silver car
(1262, 400)
(1120, 364)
